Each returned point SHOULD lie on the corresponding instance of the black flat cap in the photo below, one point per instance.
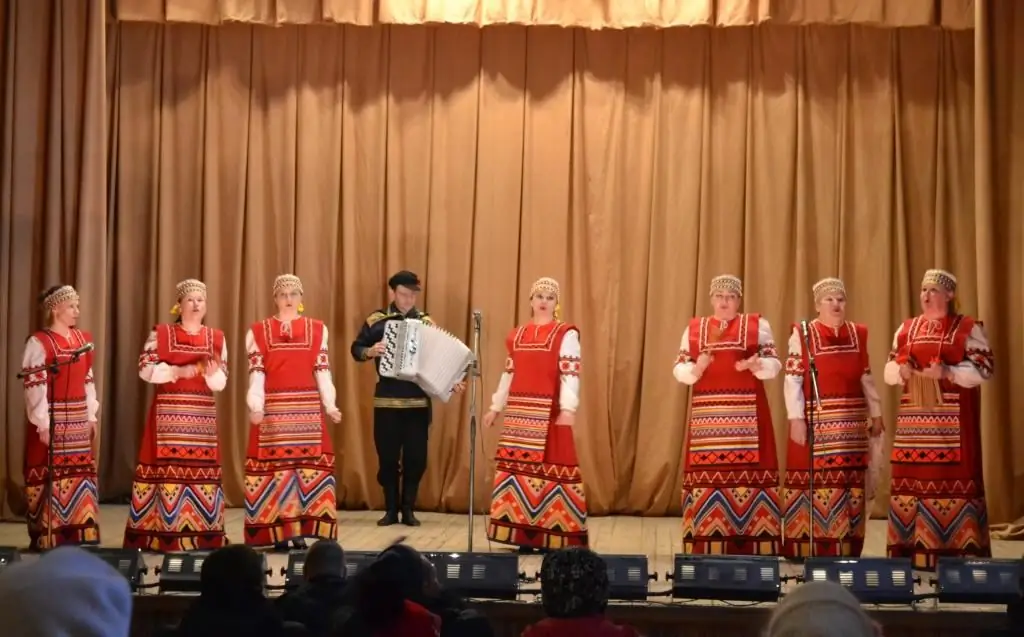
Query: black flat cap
(404, 278)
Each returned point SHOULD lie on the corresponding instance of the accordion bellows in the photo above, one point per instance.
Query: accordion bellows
(426, 355)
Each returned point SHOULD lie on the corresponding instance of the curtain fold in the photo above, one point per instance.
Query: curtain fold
(604, 14)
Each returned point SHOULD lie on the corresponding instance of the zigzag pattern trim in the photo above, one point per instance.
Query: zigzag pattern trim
(920, 523)
(290, 492)
(553, 506)
(752, 513)
(170, 507)
(838, 513)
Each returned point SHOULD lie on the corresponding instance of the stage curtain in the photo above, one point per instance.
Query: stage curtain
(950, 14)
(53, 203)
(999, 204)
(483, 159)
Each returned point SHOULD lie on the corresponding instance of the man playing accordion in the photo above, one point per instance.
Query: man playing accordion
(401, 409)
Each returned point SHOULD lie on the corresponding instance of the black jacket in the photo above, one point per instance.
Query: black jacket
(390, 392)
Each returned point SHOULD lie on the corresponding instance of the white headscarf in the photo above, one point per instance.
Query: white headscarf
(820, 609)
(67, 592)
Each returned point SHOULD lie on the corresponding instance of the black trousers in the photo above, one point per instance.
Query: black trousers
(400, 436)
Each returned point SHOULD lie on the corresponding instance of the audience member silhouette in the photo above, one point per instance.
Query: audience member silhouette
(322, 593)
(574, 593)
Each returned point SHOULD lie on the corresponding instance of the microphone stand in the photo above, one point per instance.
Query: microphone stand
(52, 371)
(473, 374)
(810, 410)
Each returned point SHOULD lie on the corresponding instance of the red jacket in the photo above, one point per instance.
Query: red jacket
(416, 621)
(578, 627)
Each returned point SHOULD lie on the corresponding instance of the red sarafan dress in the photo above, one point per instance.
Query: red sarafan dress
(937, 498)
(73, 501)
(840, 444)
(731, 500)
(538, 499)
(177, 497)
(289, 467)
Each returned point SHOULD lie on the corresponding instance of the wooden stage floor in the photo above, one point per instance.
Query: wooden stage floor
(658, 538)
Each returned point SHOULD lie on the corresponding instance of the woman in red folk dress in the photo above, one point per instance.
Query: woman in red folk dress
(731, 500)
(69, 508)
(538, 500)
(937, 503)
(850, 412)
(289, 468)
(177, 498)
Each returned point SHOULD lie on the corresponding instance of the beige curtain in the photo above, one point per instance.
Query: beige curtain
(53, 203)
(485, 158)
(999, 203)
(949, 14)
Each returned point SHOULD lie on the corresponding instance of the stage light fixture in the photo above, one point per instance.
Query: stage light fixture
(726, 577)
(356, 561)
(628, 576)
(127, 562)
(181, 572)
(871, 580)
(979, 581)
(8, 555)
(294, 573)
(478, 575)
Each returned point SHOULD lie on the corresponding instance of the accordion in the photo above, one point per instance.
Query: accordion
(424, 354)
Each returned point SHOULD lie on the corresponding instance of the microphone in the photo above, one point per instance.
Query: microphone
(478, 317)
(88, 347)
(73, 355)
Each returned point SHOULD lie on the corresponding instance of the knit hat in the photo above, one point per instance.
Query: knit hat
(820, 609)
(67, 592)
(573, 583)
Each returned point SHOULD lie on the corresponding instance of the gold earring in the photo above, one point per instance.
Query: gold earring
(176, 310)
(302, 308)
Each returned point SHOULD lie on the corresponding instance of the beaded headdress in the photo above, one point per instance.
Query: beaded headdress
(825, 287)
(549, 285)
(184, 288)
(289, 282)
(727, 283)
(61, 295)
(545, 284)
(941, 278)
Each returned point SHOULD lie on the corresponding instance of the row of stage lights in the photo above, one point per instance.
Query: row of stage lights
(721, 578)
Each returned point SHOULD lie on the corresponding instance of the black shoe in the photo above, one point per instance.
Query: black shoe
(408, 518)
(390, 506)
(281, 547)
(300, 544)
(526, 550)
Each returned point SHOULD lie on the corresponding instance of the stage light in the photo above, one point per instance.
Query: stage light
(628, 576)
(978, 581)
(294, 573)
(8, 555)
(871, 580)
(181, 572)
(127, 562)
(478, 575)
(726, 577)
(356, 561)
